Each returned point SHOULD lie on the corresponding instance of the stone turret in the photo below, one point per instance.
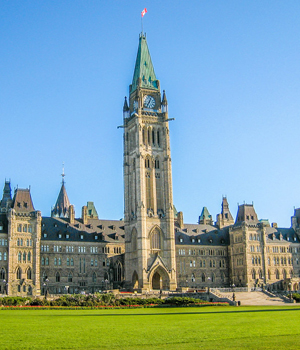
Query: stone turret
(225, 218)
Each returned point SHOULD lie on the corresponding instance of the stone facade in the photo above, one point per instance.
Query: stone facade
(152, 248)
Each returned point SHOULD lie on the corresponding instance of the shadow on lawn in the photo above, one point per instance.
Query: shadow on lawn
(176, 313)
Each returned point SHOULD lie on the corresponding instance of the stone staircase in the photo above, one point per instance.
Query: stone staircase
(253, 298)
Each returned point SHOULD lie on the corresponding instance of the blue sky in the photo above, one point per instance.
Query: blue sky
(232, 77)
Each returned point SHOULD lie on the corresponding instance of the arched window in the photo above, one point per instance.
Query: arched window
(260, 274)
(213, 277)
(250, 237)
(18, 242)
(24, 257)
(222, 276)
(144, 136)
(21, 242)
(158, 138)
(70, 277)
(149, 136)
(57, 277)
(29, 274)
(277, 274)
(29, 257)
(153, 137)
(2, 274)
(47, 261)
(19, 273)
(43, 261)
(203, 278)
(94, 278)
(193, 278)
(284, 274)
(19, 257)
(253, 274)
(155, 240)
(44, 276)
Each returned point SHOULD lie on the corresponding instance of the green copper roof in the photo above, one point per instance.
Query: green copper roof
(91, 210)
(205, 214)
(144, 68)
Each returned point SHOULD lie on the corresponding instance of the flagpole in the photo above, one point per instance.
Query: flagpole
(142, 24)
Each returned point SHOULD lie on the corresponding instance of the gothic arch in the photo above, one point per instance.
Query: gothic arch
(118, 269)
(156, 239)
(135, 280)
(159, 278)
(19, 273)
(29, 273)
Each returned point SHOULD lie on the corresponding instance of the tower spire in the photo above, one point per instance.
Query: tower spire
(63, 174)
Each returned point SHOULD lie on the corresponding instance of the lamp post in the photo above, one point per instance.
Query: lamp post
(5, 286)
(208, 289)
(233, 293)
(45, 285)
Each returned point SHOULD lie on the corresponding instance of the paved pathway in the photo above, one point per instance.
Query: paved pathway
(256, 298)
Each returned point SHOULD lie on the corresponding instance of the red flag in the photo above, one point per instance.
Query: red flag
(144, 12)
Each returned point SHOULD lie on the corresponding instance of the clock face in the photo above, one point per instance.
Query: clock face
(135, 105)
(149, 101)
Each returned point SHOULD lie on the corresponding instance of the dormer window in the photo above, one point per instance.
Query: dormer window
(55, 225)
(295, 239)
(96, 237)
(59, 235)
(67, 236)
(45, 235)
(193, 240)
(199, 240)
(25, 204)
(81, 236)
(18, 204)
(180, 239)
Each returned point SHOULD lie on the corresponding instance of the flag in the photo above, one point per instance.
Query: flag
(144, 12)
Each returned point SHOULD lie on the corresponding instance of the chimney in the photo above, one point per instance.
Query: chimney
(180, 219)
(72, 214)
(84, 215)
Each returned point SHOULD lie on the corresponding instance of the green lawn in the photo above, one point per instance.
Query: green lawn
(161, 328)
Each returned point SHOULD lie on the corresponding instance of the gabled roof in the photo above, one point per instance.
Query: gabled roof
(61, 208)
(143, 72)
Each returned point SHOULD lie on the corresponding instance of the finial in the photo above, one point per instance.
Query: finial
(63, 174)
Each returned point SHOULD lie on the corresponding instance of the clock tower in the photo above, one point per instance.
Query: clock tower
(149, 216)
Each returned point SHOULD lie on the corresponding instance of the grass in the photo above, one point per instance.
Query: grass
(174, 328)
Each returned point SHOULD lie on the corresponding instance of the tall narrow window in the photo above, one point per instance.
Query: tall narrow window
(29, 257)
(29, 274)
(158, 138)
(57, 277)
(19, 273)
(24, 257)
(155, 242)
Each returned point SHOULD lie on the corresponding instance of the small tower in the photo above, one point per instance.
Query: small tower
(225, 218)
(62, 205)
(24, 237)
(205, 218)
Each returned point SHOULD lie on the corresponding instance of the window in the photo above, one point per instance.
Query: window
(43, 261)
(47, 261)
(29, 228)
(24, 257)
(29, 274)
(19, 228)
(19, 257)
(19, 273)
(155, 240)
(29, 257)
(68, 262)
(203, 277)
(70, 277)
(72, 262)
(94, 277)
(57, 277)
